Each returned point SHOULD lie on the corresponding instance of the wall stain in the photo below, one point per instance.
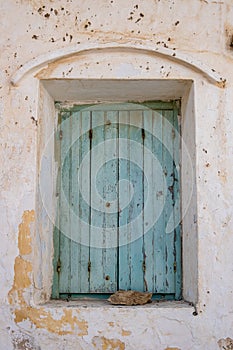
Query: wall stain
(102, 343)
(41, 318)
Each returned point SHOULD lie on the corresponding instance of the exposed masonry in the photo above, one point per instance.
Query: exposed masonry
(67, 40)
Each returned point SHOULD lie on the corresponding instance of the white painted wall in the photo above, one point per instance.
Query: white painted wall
(43, 40)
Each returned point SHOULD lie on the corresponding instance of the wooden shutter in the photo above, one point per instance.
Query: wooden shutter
(118, 189)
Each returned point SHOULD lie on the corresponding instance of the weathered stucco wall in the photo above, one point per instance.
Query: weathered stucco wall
(173, 41)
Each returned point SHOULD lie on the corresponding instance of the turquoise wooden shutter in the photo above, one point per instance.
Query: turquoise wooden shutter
(118, 189)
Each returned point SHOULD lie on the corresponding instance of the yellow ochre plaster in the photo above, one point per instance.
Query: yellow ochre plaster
(41, 318)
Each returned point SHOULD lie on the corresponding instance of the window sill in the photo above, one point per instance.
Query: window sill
(97, 303)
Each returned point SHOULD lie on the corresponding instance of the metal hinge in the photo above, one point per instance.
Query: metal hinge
(143, 133)
(174, 266)
(58, 265)
(90, 134)
(61, 134)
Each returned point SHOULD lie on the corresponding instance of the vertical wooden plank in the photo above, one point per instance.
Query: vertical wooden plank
(65, 134)
(124, 198)
(105, 151)
(75, 250)
(84, 205)
(149, 202)
(176, 209)
(159, 195)
(56, 238)
(168, 205)
(110, 195)
(154, 240)
(97, 218)
(136, 178)
(131, 169)
(80, 182)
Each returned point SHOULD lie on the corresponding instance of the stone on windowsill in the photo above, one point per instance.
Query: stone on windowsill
(130, 297)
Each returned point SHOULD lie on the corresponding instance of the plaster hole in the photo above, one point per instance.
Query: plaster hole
(34, 120)
(231, 42)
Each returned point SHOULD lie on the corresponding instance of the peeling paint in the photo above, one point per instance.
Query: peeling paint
(102, 343)
(125, 333)
(21, 280)
(24, 241)
(67, 324)
(38, 316)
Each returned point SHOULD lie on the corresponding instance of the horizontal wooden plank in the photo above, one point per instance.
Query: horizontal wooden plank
(113, 106)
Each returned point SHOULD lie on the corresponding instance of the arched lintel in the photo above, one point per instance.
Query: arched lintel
(141, 47)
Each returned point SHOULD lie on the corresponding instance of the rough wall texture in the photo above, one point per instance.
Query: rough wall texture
(202, 30)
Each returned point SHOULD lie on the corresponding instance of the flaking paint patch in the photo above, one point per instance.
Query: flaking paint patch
(125, 333)
(67, 324)
(21, 280)
(102, 343)
(24, 242)
(22, 267)
(41, 318)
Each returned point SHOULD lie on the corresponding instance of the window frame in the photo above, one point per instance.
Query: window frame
(46, 199)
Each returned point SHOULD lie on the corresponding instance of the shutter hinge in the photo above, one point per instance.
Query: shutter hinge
(89, 266)
(60, 134)
(90, 134)
(143, 133)
(174, 266)
(59, 265)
